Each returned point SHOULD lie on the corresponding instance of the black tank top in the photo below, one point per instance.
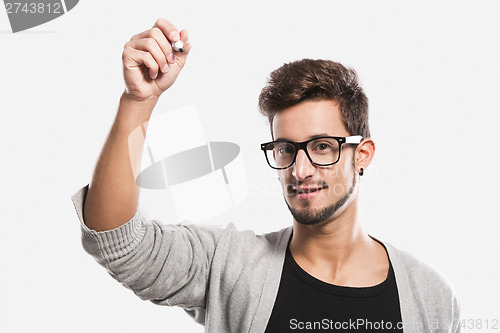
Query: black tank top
(306, 304)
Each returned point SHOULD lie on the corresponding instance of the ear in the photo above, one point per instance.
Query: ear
(364, 154)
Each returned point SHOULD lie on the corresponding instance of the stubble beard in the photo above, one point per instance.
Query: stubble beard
(315, 216)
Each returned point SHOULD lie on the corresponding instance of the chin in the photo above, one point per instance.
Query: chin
(311, 216)
(312, 213)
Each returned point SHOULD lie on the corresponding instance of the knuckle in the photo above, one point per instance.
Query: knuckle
(152, 61)
(125, 55)
(150, 42)
(156, 31)
(126, 50)
(160, 22)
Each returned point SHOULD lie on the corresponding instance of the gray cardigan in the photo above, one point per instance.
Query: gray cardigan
(228, 280)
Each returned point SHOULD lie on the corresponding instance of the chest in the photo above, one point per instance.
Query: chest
(306, 303)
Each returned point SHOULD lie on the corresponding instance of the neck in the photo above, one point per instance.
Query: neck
(335, 241)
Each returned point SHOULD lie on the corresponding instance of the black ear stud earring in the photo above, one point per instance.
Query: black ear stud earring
(361, 172)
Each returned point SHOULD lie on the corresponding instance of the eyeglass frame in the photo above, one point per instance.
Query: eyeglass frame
(353, 139)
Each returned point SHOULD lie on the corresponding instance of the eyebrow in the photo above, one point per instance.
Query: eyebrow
(311, 137)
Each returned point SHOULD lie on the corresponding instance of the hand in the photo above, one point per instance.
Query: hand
(150, 66)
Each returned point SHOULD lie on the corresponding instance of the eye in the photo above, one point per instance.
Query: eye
(286, 150)
(322, 146)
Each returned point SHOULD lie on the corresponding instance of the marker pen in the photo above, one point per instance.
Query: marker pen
(178, 46)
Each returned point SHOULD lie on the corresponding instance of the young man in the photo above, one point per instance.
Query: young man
(323, 273)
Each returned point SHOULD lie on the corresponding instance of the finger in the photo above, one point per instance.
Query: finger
(160, 38)
(137, 57)
(168, 29)
(185, 40)
(151, 45)
(181, 56)
(163, 42)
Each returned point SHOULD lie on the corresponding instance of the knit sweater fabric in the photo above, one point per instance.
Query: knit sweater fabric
(227, 280)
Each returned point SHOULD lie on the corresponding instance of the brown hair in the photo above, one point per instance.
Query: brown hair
(308, 79)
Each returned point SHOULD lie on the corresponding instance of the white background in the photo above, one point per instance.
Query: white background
(429, 68)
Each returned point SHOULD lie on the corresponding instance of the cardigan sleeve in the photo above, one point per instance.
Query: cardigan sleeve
(165, 264)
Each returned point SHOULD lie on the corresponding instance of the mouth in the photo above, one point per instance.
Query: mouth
(306, 192)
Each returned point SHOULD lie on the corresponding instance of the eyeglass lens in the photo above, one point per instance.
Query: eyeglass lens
(322, 151)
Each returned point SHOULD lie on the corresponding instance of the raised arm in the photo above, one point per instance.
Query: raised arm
(150, 66)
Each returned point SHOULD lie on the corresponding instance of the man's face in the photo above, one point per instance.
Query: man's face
(335, 183)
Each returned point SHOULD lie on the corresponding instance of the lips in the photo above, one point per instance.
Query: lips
(308, 189)
(306, 192)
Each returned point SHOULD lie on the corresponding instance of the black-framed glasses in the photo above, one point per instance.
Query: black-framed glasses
(321, 151)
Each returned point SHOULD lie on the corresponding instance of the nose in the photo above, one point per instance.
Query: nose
(302, 168)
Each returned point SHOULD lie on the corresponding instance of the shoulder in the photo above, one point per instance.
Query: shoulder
(230, 242)
(424, 289)
(245, 261)
(247, 240)
(417, 270)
